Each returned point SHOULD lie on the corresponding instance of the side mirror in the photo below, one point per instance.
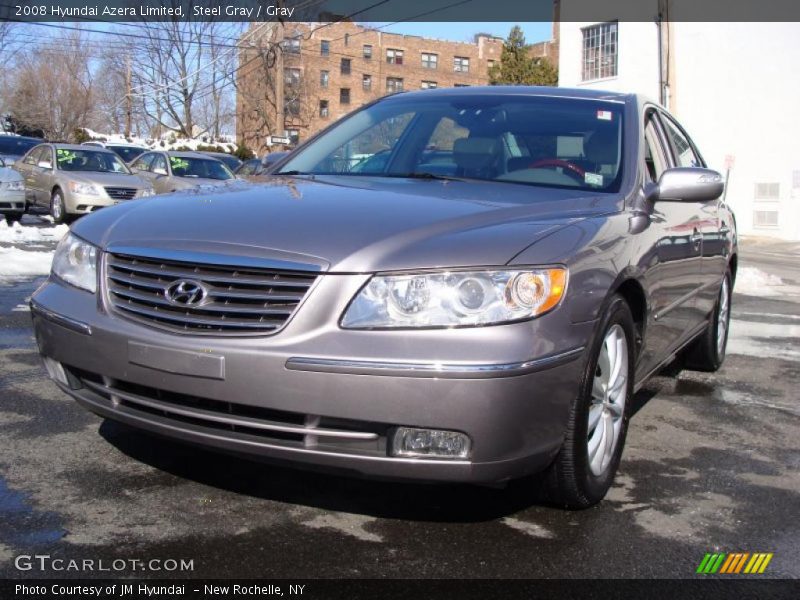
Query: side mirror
(690, 184)
(44, 164)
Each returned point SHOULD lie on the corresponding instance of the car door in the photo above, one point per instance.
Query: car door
(142, 166)
(27, 168)
(45, 175)
(673, 262)
(161, 176)
(713, 231)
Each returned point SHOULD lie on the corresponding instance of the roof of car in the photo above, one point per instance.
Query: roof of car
(181, 153)
(521, 90)
(21, 137)
(80, 147)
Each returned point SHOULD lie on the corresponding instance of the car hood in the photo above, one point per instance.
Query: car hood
(9, 174)
(346, 224)
(105, 179)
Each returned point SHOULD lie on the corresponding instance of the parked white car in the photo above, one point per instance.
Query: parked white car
(12, 193)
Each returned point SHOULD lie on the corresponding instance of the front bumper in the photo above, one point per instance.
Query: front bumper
(320, 396)
(12, 201)
(85, 203)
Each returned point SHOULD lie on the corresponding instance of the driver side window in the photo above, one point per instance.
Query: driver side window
(143, 163)
(654, 155)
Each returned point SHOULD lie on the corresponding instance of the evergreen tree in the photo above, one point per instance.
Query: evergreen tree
(518, 68)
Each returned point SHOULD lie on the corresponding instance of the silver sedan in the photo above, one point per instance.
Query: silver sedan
(74, 180)
(12, 193)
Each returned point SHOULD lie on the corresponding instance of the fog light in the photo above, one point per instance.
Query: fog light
(55, 370)
(409, 441)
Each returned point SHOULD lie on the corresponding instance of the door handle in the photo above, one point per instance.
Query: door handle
(696, 238)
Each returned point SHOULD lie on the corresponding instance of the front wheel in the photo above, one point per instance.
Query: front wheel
(58, 209)
(585, 466)
(12, 218)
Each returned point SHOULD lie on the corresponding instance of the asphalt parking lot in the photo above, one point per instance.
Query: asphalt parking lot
(711, 464)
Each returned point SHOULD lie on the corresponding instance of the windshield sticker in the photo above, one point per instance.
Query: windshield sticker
(178, 164)
(604, 115)
(593, 179)
(63, 156)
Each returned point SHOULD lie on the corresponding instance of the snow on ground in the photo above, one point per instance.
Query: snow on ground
(751, 281)
(26, 249)
(161, 144)
(16, 263)
(20, 233)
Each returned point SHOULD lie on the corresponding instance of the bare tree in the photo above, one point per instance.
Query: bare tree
(56, 97)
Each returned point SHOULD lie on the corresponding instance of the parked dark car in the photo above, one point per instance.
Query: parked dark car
(13, 147)
(260, 166)
(230, 161)
(476, 319)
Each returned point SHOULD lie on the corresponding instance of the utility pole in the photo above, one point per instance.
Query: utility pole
(280, 116)
(128, 97)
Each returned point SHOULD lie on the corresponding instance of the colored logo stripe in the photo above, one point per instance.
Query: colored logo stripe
(720, 562)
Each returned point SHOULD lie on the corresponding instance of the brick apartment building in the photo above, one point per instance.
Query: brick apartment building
(332, 69)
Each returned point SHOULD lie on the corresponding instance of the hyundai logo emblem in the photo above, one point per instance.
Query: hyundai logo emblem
(185, 292)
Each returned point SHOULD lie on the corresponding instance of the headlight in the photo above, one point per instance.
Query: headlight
(147, 192)
(75, 262)
(15, 186)
(86, 189)
(455, 298)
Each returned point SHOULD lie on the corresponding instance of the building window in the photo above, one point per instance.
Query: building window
(291, 46)
(346, 66)
(394, 57)
(428, 85)
(367, 51)
(489, 63)
(765, 218)
(293, 135)
(461, 64)
(394, 85)
(292, 107)
(323, 108)
(768, 191)
(324, 47)
(461, 85)
(366, 82)
(346, 39)
(291, 77)
(324, 78)
(600, 51)
(344, 96)
(430, 61)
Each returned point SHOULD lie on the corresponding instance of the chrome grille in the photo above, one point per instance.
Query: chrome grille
(121, 193)
(234, 300)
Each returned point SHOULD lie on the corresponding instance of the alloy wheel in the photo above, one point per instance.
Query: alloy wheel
(609, 395)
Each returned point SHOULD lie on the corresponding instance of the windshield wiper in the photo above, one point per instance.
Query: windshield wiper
(293, 173)
(423, 175)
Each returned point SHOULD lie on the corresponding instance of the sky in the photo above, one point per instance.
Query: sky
(461, 32)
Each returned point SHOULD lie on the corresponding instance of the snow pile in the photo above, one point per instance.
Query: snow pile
(17, 233)
(755, 282)
(22, 264)
(167, 142)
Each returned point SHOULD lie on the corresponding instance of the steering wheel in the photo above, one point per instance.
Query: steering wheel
(569, 168)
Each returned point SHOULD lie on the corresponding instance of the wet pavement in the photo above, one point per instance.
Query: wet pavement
(711, 464)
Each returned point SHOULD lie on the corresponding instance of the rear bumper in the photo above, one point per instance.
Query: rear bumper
(201, 391)
(12, 201)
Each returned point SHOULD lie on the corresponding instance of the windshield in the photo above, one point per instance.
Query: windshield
(89, 160)
(16, 146)
(127, 153)
(544, 141)
(187, 166)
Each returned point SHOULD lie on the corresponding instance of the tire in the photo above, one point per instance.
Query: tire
(12, 218)
(577, 479)
(58, 209)
(707, 353)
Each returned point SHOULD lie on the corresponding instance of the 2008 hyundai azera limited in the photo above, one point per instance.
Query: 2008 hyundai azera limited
(448, 285)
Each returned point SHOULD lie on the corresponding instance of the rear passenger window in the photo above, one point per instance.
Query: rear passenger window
(685, 155)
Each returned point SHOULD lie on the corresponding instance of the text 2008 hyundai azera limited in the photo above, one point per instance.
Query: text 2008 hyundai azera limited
(452, 285)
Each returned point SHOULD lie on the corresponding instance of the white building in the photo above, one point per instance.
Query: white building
(734, 86)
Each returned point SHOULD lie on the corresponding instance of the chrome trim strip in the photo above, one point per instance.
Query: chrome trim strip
(71, 324)
(429, 369)
(207, 415)
(209, 258)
